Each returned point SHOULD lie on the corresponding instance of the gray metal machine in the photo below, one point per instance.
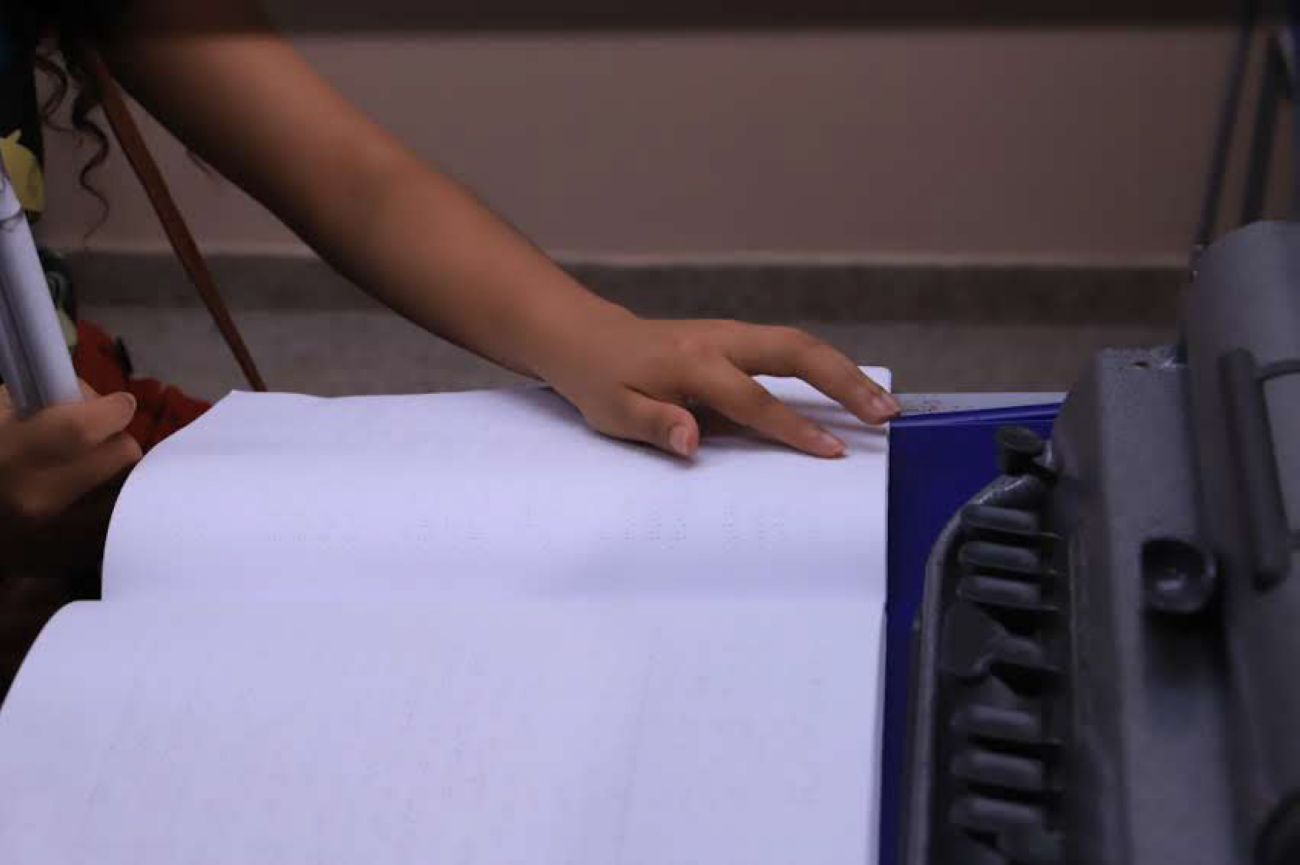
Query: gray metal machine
(1107, 663)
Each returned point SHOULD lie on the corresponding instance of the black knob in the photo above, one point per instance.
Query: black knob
(1178, 576)
(1018, 449)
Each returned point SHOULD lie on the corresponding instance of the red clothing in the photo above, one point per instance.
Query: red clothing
(161, 410)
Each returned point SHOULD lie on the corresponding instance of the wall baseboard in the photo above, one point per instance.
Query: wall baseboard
(787, 290)
(942, 327)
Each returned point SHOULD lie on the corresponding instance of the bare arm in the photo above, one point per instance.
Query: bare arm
(404, 232)
(424, 246)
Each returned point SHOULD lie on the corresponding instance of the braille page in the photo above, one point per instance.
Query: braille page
(492, 491)
(613, 731)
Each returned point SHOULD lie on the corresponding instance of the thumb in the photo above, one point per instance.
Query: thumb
(662, 424)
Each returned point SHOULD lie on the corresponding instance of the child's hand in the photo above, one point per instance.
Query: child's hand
(58, 474)
(632, 378)
(56, 457)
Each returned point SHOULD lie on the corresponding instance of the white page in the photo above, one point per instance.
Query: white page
(618, 731)
(282, 495)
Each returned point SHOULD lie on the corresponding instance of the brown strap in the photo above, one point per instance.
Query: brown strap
(178, 233)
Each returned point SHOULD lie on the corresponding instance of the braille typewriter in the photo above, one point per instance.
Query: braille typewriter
(1106, 666)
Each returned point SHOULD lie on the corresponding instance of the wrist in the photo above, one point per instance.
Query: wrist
(560, 329)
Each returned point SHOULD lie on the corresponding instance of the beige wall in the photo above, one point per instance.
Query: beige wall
(1005, 145)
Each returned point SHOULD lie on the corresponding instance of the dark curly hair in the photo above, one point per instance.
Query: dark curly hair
(54, 29)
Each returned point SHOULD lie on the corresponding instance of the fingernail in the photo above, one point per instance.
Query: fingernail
(127, 400)
(829, 444)
(886, 404)
(679, 439)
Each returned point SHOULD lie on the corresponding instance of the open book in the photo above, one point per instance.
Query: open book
(463, 629)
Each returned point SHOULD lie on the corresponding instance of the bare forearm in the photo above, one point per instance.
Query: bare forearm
(405, 233)
(438, 256)
(243, 99)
